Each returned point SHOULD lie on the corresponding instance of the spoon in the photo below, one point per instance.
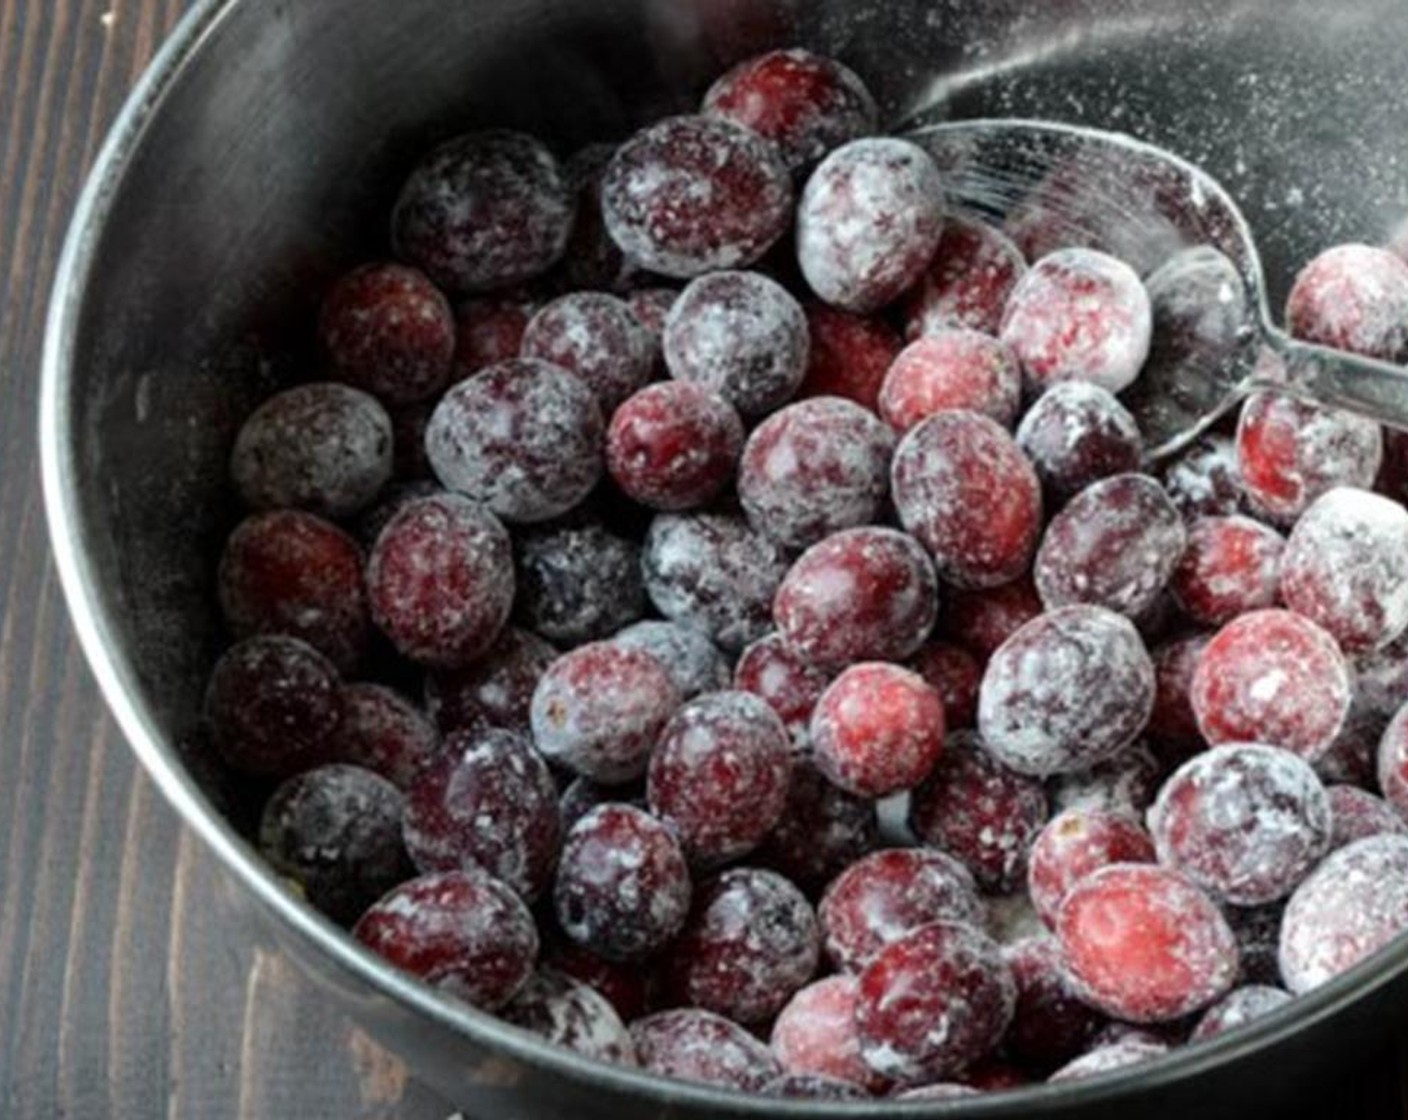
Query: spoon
(1057, 185)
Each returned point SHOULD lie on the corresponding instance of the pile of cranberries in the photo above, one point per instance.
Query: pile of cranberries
(668, 512)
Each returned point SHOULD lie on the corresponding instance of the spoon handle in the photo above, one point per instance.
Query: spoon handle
(1373, 389)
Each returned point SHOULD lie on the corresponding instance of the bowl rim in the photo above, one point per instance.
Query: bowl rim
(195, 31)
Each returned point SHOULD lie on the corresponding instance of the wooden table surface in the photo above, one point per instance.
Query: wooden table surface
(121, 993)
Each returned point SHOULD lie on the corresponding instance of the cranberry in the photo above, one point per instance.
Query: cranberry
(1205, 480)
(293, 573)
(494, 691)
(887, 894)
(822, 830)
(1172, 726)
(713, 572)
(524, 438)
(750, 944)
(623, 888)
(850, 355)
(691, 194)
(274, 705)
(860, 594)
(1239, 1007)
(788, 681)
(1076, 843)
(1230, 567)
(813, 469)
(1079, 315)
(599, 709)
(1076, 434)
(1346, 567)
(1356, 814)
(981, 620)
(674, 446)
(933, 1002)
(336, 832)
(1351, 906)
(386, 329)
(955, 675)
(1272, 677)
(487, 210)
(1066, 691)
(719, 775)
(1392, 761)
(869, 221)
(816, 1033)
(967, 282)
(569, 1013)
(1258, 933)
(694, 1045)
(385, 733)
(1289, 452)
(440, 580)
(625, 987)
(324, 448)
(578, 582)
(693, 662)
(955, 368)
(877, 729)
(1124, 783)
(462, 931)
(1353, 297)
(597, 337)
(981, 812)
(1114, 545)
(1051, 1025)
(1145, 944)
(807, 1086)
(1107, 1059)
(592, 260)
(964, 488)
(487, 332)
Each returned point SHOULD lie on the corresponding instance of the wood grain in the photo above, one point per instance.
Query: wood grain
(122, 991)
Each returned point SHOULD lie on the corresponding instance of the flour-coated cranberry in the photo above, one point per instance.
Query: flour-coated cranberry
(1052, 1025)
(887, 894)
(933, 1002)
(567, 1012)
(869, 221)
(1173, 728)
(1076, 434)
(674, 445)
(1346, 567)
(1068, 690)
(1353, 297)
(816, 1033)
(694, 194)
(963, 487)
(1145, 944)
(953, 368)
(979, 811)
(599, 709)
(462, 931)
(1076, 843)
(696, 1045)
(967, 282)
(494, 690)
(623, 888)
(1231, 565)
(624, 986)
(1239, 1007)
(597, 337)
(719, 775)
(487, 332)
(877, 729)
(693, 662)
(440, 580)
(523, 438)
(385, 733)
(1079, 315)
(578, 582)
(324, 448)
(484, 211)
(1356, 814)
(955, 675)
(1205, 480)
(1107, 1059)
(849, 355)
(822, 830)
(1272, 677)
(1123, 783)
(982, 619)
(1114, 545)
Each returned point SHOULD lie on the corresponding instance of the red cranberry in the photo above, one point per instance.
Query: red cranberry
(850, 355)
(487, 210)
(693, 662)
(384, 732)
(1272, 677)
(1230, 567)
(336, 832)
(578, 582)
(599, 709)
(323, 447)
(494, 691)
(1076, 434)
(487, 332)
(886, 895)
(674, 446)
(625, 987)
(1076, 843)
(1351, 906)
(1066, 691)
(816, 1033)
(694, 1045)
(523, 438)
(869, 221)
(968, 281)
(623, 888)
(791, 684)
(1079, 315)
(569, 1013)
(597, 337)
(440, 580)
(1346, 567)
(860, 594)
(955, 675)
(810, 1087)
(981, 620)
(713, 572)
(933, 1002)
(293, 573)
(964, 488)
(1052, 1025)
(1144, 944)
(1353, 297)
(1239, 1007)
(822, 831)
(386, 329)
(1114, 545)
(462, 931)
(1205, 481)
(274, 705)
(877, 729)
(1107, 1059)
(955, 368)
(719, 775)
(981, 812)
(1172, 726)
(1124, 783)
(690, 195)
(1356, 814)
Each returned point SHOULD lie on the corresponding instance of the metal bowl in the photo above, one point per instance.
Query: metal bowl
(258, 157)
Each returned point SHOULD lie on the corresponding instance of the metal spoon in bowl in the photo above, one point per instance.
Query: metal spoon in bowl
(1058, 185)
